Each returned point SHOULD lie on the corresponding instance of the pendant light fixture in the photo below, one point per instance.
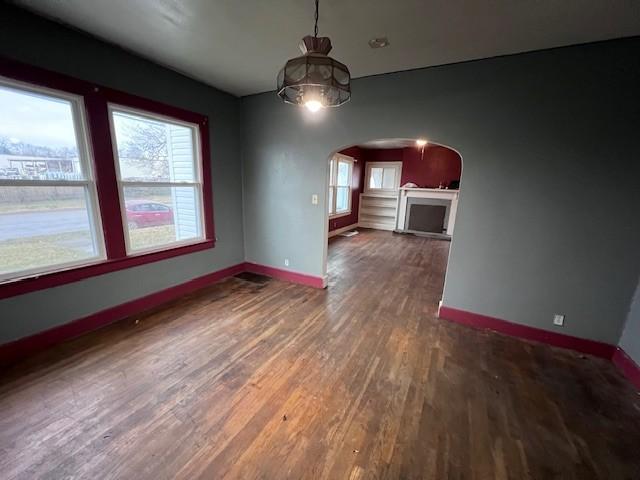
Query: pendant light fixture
(421, 143)
(314, 79)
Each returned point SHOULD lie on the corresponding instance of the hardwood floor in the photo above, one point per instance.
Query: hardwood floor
(273, 380)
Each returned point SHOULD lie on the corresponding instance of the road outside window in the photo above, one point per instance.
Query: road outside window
(48, 207)
(159, 178)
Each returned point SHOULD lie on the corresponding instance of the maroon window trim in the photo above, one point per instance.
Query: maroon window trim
(96, 100)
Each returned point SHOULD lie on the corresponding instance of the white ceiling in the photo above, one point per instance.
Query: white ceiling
(389, 143)
(239, 45)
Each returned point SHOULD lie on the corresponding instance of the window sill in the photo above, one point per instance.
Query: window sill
(339, 215)
(19, 286)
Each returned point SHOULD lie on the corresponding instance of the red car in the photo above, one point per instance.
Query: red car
(144, 213)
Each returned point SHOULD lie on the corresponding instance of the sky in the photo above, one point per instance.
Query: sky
(30, 118)
(46, 121)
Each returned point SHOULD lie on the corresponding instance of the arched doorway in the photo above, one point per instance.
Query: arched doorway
(401, 186)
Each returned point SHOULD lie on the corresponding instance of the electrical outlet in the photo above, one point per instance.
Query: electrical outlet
(286, 262)
(314, 199)
(558, 320)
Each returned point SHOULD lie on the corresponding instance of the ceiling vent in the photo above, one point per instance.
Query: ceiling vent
(379, 42)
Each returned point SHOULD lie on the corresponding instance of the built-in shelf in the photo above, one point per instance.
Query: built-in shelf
(374, 203)
(378, 210)
(379, 195)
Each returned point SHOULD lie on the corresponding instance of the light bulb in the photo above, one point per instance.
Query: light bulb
(313, 105)
(421, 142)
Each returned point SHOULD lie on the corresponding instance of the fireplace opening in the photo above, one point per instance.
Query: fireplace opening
(427, 218)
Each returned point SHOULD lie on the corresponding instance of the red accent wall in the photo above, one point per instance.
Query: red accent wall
(356, 189)
(383, 155)
(439, 164)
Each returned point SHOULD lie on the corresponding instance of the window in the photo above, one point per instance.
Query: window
(49, 218)
(340, 172)
(383, 176)
(159, 179)
(94, 180)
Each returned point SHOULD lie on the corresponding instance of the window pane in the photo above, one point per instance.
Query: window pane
(375, 180)
(152, 150)
(37, 137)
(343, 174)
(159, 216)
(389, 178)
(43, 227)
(331, 189)
(342, 199)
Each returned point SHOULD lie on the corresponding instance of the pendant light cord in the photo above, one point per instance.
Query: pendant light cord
(315, 30)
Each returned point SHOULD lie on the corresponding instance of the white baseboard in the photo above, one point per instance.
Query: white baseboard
(338, 231)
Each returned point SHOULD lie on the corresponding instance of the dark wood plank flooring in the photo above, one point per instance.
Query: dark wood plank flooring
(250, 379)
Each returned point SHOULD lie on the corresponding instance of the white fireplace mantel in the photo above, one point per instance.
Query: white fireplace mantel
(436, 193)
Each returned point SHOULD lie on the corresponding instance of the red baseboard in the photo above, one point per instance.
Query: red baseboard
(27, 346)
(627, 366)
(24, 347)
(476, 320)
(286, 275)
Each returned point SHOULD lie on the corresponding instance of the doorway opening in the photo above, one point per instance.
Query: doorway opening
(384, 193)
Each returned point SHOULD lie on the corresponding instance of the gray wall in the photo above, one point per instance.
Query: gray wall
(549, 214)
(36, 41)
(630, 341)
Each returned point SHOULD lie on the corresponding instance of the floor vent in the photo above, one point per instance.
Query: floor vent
(253, 278)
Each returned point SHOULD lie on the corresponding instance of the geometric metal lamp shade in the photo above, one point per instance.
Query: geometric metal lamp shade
(314, 79)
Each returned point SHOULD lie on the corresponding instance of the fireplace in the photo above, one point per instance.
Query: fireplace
(427, 210)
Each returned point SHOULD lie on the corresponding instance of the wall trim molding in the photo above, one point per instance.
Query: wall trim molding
(627, 366)
(26, 346)
(338, 231)
(622, 361)
(286, 275)
(476, 320)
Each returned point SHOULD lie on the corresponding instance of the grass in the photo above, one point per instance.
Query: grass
(148, 237)
(26, 253)
(48, 250)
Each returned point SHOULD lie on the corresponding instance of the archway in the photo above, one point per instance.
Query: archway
(405, 186)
